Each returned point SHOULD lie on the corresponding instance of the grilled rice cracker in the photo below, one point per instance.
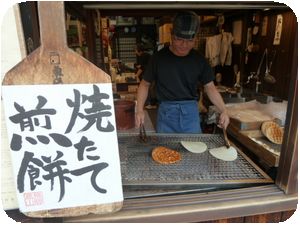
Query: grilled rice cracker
(272, 131)
(165, 155)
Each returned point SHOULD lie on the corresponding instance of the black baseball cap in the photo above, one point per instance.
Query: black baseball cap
(186, 25)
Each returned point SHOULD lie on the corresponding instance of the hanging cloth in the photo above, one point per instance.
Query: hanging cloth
(212, 49)
(226, 49)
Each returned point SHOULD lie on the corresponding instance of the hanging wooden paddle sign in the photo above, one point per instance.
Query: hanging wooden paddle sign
(61, 128)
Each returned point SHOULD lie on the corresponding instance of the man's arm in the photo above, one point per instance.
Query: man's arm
(142, 95)
(138, 73)
(215, 97)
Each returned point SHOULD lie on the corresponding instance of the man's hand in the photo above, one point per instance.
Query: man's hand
(215, 97)
(139, 118)
(223, 120)
(142, 94)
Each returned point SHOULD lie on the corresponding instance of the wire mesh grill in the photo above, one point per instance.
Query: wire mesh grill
(138, 167)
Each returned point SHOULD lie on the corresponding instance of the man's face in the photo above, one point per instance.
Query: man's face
(182, 47)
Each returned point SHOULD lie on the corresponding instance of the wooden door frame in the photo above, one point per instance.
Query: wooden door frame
(287, 177)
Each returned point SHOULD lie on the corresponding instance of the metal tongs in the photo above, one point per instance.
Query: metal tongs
(143, 136)
(226, 138)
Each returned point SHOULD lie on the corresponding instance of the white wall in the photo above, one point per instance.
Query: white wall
(12, 39)
(12, 52)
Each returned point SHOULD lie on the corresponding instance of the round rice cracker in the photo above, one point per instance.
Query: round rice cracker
(165, 155)
(265, 125)
(272, 131)
(274, 134)
(194, 146)
(223, 153)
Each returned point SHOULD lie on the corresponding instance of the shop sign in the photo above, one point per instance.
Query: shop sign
(278, 30)
(63, 144)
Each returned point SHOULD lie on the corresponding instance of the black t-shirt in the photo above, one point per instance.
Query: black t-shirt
(177, 78)
(143, 60)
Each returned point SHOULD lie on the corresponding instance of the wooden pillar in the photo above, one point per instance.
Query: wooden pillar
(91, 36)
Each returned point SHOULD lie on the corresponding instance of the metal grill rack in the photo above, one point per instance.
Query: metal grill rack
(139, 169)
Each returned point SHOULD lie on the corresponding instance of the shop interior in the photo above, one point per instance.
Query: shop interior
(258, 63)
(250, 69)
(107, 33)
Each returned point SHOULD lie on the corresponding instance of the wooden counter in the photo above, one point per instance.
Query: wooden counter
(197, 207)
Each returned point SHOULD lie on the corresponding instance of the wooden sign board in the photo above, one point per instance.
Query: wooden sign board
(58, 70)
(63, 144)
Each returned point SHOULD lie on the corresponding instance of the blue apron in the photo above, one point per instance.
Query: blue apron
(178, 117)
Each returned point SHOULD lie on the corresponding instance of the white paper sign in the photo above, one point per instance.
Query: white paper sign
(63, 144)
(278, 30)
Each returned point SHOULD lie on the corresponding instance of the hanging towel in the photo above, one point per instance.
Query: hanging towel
(212, 49)
(226, 49)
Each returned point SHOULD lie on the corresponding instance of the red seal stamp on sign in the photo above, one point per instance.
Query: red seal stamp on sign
(33, 198)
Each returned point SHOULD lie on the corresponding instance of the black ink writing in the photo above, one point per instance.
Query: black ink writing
(94, 114)
(29, 118)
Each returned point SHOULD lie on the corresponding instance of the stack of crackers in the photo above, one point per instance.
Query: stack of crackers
(272, 131)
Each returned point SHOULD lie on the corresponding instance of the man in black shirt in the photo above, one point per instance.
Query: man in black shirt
(142, 60)
(177, 71)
